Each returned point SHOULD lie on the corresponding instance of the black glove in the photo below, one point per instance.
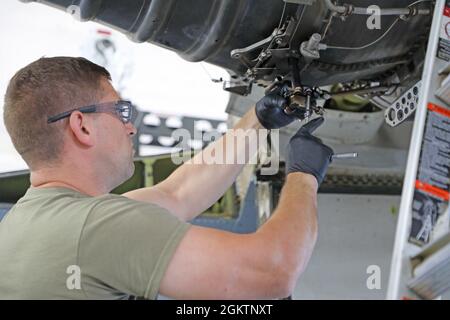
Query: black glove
(270, 109)
(306, 153)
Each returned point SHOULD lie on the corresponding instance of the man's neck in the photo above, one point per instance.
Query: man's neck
(78, 183)
(58, 184)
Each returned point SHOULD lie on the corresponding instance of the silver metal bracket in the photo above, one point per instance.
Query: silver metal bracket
(403, 107)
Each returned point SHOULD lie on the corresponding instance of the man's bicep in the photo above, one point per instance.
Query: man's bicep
(214, 264)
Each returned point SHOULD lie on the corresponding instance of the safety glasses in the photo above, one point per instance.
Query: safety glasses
(122, 109)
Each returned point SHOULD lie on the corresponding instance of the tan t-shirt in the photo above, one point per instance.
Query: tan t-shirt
(59, 243)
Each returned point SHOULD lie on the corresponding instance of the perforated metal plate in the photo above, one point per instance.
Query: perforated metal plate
(403, 107)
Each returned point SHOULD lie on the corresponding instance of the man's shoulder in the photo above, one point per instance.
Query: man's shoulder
(123, 202)
(65, 200)
(120, 208)
(116, 215)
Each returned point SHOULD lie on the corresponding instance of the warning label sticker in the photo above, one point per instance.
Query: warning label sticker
(432, 192)
(444, 37)
(435, 157)
(426, 210)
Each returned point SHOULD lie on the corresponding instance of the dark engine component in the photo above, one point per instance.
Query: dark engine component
(256, 39)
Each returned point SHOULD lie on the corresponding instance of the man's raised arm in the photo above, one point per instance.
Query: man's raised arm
(214, 264)
(198, 184)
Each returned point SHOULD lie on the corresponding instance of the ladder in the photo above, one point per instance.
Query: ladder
(420, 266)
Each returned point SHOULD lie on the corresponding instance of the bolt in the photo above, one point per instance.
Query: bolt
(345, 155)
(313, 42)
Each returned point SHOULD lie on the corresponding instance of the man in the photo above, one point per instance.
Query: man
(69, 238)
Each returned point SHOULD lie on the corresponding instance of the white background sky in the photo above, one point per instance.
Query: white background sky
(157, 80)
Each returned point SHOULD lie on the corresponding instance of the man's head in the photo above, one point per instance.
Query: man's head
(51, 86)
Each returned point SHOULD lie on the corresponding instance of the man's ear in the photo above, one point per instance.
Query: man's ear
(82, 128)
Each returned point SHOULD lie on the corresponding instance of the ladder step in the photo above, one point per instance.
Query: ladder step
(432, 269)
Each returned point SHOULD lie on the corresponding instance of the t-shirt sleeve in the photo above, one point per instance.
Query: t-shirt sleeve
(126, 246)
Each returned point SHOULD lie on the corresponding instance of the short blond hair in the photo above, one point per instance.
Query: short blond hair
(43, 88)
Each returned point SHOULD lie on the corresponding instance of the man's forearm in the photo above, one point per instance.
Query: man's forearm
(292, 229)
(196, 185)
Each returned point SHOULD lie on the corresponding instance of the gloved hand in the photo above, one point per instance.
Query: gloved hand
(270, 109)
(306, 153)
